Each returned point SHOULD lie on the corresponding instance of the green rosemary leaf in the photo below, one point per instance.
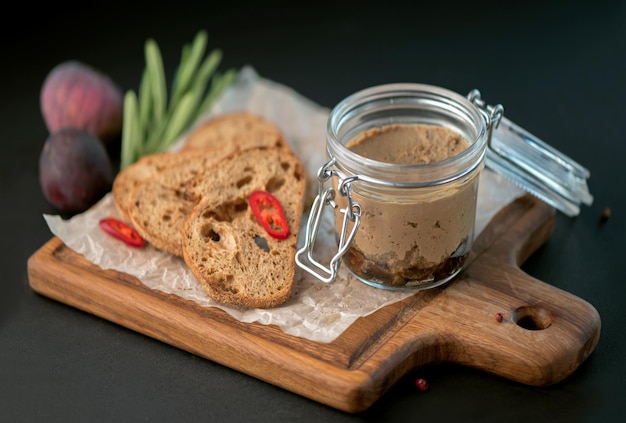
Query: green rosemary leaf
(206, 71)
(184, 57)
(154, 65)
(189, 67)
(144, 105)
(179, 119)
(130, 139)
(154, 138)
(219, 83)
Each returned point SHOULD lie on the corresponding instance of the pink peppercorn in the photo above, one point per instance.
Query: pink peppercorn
(422, 384)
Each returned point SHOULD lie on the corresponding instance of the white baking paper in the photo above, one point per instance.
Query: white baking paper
(315, 311)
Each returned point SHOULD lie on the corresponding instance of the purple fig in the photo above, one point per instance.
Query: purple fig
(76, 95)
(74, 170)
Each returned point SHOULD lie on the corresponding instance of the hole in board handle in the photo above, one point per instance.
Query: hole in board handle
(532, 318)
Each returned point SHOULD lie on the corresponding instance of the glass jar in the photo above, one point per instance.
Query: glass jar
(407, 224)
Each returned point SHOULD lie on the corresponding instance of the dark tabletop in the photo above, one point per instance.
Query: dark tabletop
(559, 68)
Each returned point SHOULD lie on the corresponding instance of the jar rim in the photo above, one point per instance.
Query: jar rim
(389, 96)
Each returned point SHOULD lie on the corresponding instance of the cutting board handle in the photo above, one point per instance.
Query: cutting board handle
(497, 318)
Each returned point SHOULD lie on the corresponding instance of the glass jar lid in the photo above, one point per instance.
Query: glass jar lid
(535, 166)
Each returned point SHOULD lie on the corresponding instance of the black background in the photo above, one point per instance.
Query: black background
(559, 68)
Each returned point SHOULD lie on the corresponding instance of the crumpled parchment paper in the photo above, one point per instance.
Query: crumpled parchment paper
(316, 311)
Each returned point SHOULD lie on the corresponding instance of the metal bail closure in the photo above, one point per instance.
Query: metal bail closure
(532, 164)
(351, 214)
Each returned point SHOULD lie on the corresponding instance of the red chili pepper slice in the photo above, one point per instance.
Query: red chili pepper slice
(269, 213)
(121, 231)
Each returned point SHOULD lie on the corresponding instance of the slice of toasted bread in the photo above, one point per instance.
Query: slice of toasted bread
(220, 129)
(228, 251)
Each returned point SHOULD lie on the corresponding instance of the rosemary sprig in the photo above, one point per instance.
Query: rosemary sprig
(152, 122)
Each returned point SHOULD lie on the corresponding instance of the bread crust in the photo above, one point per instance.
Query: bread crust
(222, 128)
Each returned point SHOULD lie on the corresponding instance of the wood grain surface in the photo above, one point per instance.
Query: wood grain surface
(545, 333)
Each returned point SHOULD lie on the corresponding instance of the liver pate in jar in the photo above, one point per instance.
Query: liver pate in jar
(412, 238)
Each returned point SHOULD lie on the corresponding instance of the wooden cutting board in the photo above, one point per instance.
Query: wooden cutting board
(544, 336)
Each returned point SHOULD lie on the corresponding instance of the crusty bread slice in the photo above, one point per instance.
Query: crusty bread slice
(222, 128)
(228, 251)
